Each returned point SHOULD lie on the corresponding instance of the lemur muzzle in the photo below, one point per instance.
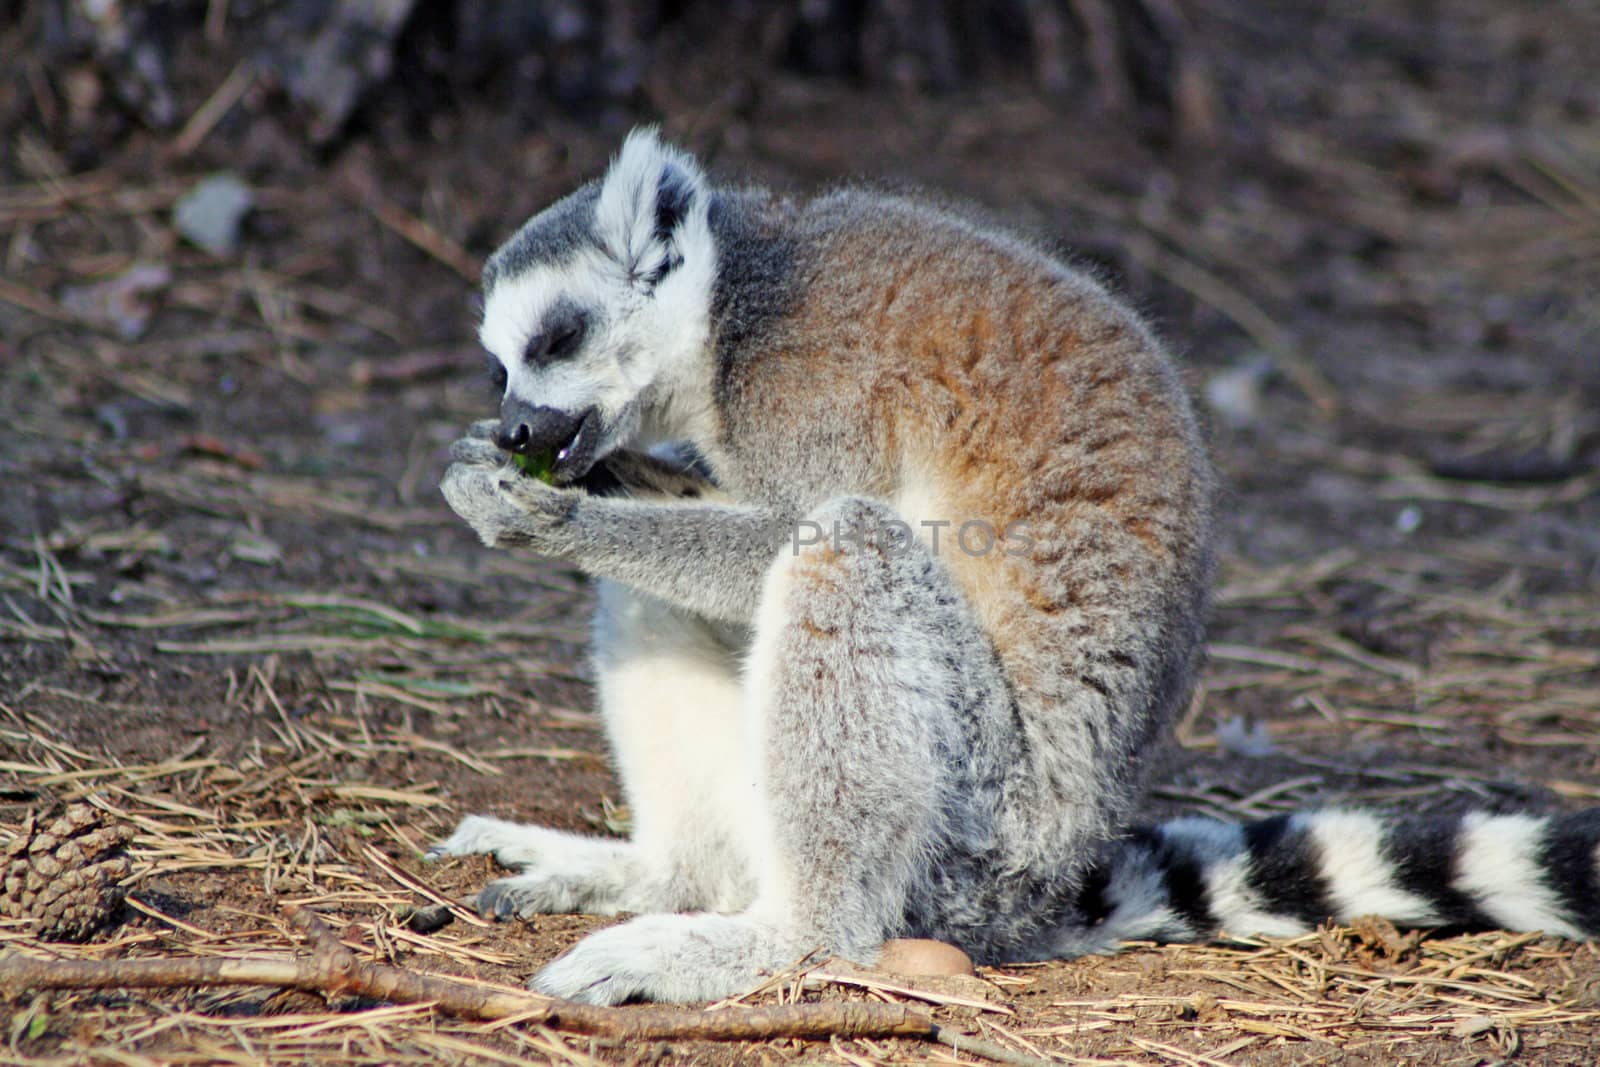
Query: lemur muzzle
(527, 429)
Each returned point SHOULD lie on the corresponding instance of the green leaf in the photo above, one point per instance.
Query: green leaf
(541, 465)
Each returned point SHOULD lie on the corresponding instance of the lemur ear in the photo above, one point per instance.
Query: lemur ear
(649, 196)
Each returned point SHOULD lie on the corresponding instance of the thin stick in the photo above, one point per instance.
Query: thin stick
(427, 238)
(1211, 289)
(332, 969)
(987, 1049)
(206, 117)
(34, 301)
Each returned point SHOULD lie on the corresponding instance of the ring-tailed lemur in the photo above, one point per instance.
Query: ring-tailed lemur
(886, 651)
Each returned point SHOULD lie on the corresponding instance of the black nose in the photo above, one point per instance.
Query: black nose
(527, 429)
(514, 440)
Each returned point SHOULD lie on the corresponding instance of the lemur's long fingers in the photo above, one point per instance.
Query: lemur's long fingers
(476, 450)
(473, 492)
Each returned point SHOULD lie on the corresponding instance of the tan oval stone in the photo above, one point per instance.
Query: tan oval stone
(908, 955)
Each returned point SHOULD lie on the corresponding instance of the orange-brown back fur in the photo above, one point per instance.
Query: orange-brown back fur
(965, 376)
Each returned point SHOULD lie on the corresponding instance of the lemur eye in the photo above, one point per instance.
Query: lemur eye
(562, 334)
(564, 342)
(497, 374)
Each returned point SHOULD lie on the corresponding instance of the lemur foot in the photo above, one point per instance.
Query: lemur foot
(560, 872)
(511, 844)
(521, 897)
(668, 958)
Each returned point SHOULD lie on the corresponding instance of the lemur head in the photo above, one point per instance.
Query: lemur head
(597, 307)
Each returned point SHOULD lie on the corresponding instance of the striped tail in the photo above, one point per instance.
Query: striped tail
(1191, 879)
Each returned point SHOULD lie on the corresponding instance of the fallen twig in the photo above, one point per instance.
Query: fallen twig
(331, 969)
(211, 112)
(428, 238)
(1211, 289)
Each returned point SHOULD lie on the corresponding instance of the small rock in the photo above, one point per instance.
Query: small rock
(332, 71)
(123, 303)
(1471, 1026)
(255, 548)
(1235, 393)
(1249, 739)
(921, 956)
(210, 214)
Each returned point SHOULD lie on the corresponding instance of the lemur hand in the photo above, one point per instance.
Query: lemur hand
(507, 508)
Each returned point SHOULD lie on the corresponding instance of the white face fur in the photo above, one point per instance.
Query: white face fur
(644, 297)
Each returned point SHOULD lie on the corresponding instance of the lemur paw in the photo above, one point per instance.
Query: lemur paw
(479, 835)
(522, 897)
(481, 451)
(559, 872)
(505, 508)
(665, 957)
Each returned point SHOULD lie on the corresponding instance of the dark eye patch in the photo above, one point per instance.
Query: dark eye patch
(565, 342)
(497, 373)
(560, 336)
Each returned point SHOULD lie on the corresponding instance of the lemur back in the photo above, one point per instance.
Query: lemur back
(973, 382)
(886, 639)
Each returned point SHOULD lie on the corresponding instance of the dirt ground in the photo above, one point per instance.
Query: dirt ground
(236, 616)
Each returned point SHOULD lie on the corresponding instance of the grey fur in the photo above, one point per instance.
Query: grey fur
(550, 236)
(833, 744)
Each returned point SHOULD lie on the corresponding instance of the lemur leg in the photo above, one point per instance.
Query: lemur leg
(669, 695)
(877, 721)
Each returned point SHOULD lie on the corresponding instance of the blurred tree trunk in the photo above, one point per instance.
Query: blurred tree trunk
(1135, 60)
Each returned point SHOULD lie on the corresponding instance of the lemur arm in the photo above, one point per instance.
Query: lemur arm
(706, 557)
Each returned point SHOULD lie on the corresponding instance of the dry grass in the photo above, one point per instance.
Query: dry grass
(1369, 992)
(224, 843)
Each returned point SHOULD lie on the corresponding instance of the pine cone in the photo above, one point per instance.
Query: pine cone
(68, 875)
